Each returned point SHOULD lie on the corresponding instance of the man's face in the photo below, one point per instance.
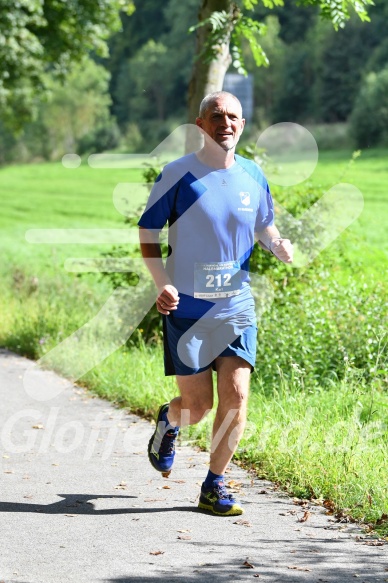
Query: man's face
(223, 122)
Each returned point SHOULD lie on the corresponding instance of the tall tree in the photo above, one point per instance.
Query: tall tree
(41, 35)
(222, 24)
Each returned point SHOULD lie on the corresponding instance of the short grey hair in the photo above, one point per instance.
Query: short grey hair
(209, 99)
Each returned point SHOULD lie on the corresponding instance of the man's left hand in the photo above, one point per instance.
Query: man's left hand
(283, 250)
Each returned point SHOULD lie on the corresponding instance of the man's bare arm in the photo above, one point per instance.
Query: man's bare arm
(270, 240)
(167, 298)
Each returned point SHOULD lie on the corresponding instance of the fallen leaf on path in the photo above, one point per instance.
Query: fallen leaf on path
(157, 553)
(179, 481)
(71, 515)
(242, 522)
(330, 506)
(166, 474)
(305, 516)
(121, 486)
(300, 501)
(234, 484)
(184, 530)
(166, 487)
(38, 426)
(296, 568)
(154, 499)
(256, 575)
(184, 537)
(263, 492)
(247, 565)
(9, 471)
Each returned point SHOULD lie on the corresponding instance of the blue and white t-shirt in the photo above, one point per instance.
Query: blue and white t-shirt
(213, 216)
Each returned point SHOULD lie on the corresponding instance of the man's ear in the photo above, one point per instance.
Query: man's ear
(242, 125)
(198, 122)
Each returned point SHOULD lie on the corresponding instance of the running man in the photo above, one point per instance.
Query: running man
(217, 205)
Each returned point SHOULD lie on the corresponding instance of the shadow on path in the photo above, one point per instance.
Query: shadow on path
(82, 504)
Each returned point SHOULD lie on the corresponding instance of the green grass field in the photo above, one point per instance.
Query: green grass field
(369, 174)
(343, 455)
(48, 196)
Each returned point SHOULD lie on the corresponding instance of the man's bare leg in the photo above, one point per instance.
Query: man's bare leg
(233, 377)
(196, 399)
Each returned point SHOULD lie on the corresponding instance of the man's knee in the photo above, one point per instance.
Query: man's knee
(194, 412)
(235, 399)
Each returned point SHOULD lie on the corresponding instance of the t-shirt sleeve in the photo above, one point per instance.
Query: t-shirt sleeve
(265, 215)
(160, 203)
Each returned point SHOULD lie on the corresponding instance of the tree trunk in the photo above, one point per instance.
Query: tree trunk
(207, 77)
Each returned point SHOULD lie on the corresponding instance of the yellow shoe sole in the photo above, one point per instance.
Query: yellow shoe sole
(236, 510)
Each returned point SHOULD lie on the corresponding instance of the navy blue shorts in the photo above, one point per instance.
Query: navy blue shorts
(191, 346)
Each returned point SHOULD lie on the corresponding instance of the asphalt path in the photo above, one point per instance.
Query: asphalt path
(81, 504)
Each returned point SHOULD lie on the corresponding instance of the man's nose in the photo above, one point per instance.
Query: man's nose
(225, 121)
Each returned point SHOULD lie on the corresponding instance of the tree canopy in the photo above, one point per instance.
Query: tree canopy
(41, 35)
(315, 73)
(222, 27)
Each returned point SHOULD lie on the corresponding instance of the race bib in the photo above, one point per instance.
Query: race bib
(217, 280)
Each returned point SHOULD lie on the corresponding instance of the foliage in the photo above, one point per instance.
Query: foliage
(311, 77)
(294, 85)
(339, 11)
(144, 84)
(234, 25)
(296, 201)
(150, 63)
(319, 327)
(151, 324)
(340, 72)
(8, 143)
(369, 119)
(74, 117)
(39, 35)
(106, 136)
(330, 445)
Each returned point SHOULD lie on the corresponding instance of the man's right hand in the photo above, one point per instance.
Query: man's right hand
(167, 300)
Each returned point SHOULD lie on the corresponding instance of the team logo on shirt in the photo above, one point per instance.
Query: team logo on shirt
(245, 198)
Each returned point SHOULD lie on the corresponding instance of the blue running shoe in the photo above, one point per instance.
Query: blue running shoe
(217, 500)
(161, 447)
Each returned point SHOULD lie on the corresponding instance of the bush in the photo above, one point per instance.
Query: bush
(369, 118)
(333, 136)
(103, 138)
(318, 328)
